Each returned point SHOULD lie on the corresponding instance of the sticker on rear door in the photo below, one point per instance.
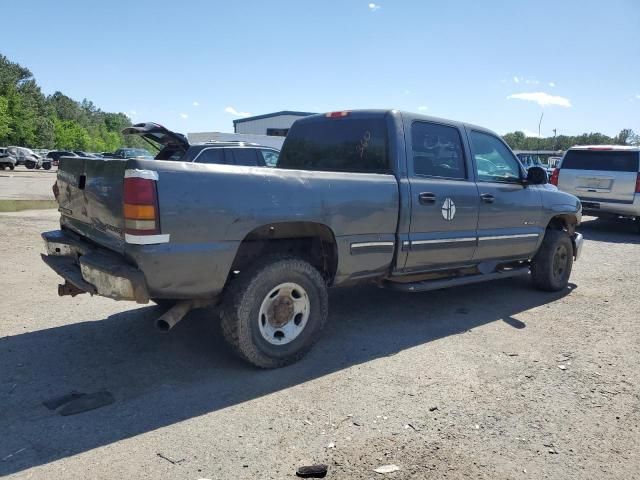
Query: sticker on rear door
(448, 209)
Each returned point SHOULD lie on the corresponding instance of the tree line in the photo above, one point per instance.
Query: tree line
(29, 118)
(519, 141)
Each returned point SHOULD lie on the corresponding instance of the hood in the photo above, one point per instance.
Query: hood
(159, 134)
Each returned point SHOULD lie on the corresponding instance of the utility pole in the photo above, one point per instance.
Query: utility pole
(539, 124)
(554, 140)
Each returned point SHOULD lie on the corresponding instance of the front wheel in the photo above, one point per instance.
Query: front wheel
(551, 266)
(46, 166)
(273, 313)
(11, 167)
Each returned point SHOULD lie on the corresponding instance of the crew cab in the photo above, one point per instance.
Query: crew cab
(606, 179)
(405, 201)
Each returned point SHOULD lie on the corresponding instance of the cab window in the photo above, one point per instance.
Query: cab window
(494, 161)
(437, 151)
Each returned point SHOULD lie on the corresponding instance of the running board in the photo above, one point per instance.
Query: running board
(426, 285)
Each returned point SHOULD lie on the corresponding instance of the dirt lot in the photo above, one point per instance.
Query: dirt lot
(23, 184)
(464, 383)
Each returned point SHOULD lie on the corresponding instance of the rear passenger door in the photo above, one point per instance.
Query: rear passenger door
(444, 198)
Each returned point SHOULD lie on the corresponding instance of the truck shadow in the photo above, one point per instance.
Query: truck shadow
(159, 380)
(609, 230)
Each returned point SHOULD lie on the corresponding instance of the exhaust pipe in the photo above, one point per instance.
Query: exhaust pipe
(176, 313)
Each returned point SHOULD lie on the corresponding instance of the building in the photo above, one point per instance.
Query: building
(267, 141)
(271, 124)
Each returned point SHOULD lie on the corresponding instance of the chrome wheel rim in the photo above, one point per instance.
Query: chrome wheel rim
(284, 313)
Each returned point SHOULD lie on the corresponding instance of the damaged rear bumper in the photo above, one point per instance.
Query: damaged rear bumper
(91, 269)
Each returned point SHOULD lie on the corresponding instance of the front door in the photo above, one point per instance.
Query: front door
(509, 221)
(444, 199)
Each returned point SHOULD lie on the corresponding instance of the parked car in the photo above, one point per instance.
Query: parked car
(175, 146)
(606, 179)
(6, 160)
(55, 155)
(531, 160)
(28, 158)
(140, 153)
(405, 201)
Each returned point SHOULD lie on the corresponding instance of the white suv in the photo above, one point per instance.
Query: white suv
(606, 179)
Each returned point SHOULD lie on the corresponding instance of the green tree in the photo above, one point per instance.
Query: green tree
(5, 120)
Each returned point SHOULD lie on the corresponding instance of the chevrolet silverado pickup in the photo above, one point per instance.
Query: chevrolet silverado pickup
(406, 201)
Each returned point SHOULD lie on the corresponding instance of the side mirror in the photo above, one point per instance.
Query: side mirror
(537, 176)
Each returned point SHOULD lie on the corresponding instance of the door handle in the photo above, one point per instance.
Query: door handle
(487, 198)
(427, 198)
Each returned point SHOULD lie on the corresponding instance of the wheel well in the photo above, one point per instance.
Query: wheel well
(563, 222)
(313, 242)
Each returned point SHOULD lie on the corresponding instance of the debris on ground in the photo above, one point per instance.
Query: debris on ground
(562, 367)
(170, 460)
(387, 469)
(312, 471)
(433, 408)
(12, 454)
(331, 445)
(78, 402)
(87, 402)
(56, 402)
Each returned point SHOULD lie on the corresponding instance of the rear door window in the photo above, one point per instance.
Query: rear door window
(611, 161)
(211, 155)
(337, 145)
(437, 151)
(247, 157)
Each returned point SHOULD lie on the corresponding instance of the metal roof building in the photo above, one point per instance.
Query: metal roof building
(271, 124)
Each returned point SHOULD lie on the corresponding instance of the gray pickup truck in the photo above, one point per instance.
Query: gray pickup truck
(409, 202)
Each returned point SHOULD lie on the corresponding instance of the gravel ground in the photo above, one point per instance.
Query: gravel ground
(23, 184)
(495, 381)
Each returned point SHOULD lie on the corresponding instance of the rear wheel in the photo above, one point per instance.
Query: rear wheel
(551, 266)
(11, 167)
(273, 313)
(46, 166)
(30, 165)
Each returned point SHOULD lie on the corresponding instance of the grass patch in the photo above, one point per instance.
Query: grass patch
(18, 205)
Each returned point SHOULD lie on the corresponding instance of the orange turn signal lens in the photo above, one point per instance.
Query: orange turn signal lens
(139, 212)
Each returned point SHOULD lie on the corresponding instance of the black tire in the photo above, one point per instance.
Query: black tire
(30, 165)
(241, 310)
(551, 266)
(11, 167)
(46, 166)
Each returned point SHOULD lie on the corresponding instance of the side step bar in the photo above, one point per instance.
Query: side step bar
(426, 285)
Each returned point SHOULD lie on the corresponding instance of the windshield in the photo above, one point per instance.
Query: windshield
(338, 145)
(606, 160)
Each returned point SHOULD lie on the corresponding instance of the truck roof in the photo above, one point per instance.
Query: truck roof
(405, 114)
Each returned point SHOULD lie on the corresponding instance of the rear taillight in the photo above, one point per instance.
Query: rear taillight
(141, 203)
(555, 176)
(638, 183)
